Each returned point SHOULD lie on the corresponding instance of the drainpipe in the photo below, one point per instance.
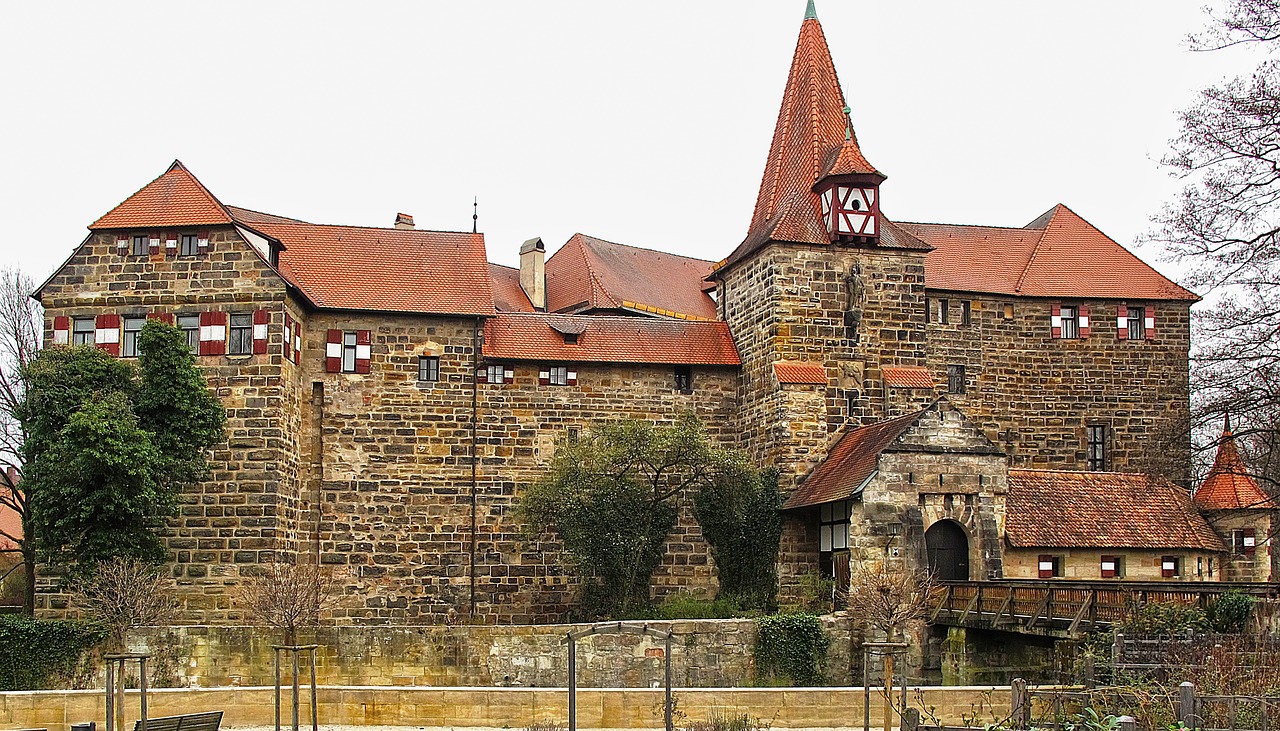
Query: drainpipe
(477, 340)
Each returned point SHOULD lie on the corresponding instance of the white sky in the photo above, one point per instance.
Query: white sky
(645, 123)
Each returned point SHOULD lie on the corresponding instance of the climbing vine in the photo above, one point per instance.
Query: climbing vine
(738, 513)
(43, 653)
(791, 648)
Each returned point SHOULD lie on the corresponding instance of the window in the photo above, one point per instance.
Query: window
(132, 327)
(1070, 318)
(1170, 566)
(141, 244)
(1244, 541)
(1096, 443)
(944, 311)
(558, 375)
(1135, 329)
(684, 378)
(850, 404)
(1113, 567)
(428, 368)
(189, 245)
(349, 352)
(190, 326)
(1049, 567)
(82, 329)
(955, 379)
(833, 526)
(240, 336)
(928, 311)
(496, 373)
(966, 312)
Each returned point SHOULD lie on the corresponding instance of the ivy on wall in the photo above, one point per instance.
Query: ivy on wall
(792, 649)
(43, 653)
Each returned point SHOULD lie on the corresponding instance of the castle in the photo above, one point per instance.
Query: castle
(949, 396)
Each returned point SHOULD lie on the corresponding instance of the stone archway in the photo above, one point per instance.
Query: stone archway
(947, 548)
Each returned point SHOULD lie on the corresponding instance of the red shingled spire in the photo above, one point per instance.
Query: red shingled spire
(1229, 486)
(812, 138)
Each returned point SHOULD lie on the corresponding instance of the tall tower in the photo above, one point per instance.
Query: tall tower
(824, 291)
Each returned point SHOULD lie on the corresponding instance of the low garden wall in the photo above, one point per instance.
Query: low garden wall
(503, 707)
(706, 653)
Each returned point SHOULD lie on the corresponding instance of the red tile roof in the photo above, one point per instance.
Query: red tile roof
(175, 198)
(1229, 484)
(507, 294)
(1058, 255)
(1056, 509)
(907, 377)
(608, 339)
(591, 273)
(848, 464)
(385, 269)
(800, 372)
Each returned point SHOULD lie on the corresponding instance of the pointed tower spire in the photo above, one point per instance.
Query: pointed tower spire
(812, 140)
(1229, 485)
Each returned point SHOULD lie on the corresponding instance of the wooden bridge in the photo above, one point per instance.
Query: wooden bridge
(1056, 608)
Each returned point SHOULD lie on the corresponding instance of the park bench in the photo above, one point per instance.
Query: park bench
(187, 722)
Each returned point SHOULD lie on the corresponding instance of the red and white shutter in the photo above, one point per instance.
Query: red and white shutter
(1084, 321)
(165, 317)
(364, 348)
(1046, 567)
(122, 243)
(333, 351)
(61, 330)
(287, 350)
(508, 374)
(261, 318)
(171, 243)
(544, 375)
(213, 333)
(1149, 323)
(154, 242)
(107, 335)
(202, 241)
(1055, 321)
(1248, 541)
(297, 341)
(1169, 566)
(1108, 567)
(482, 375)
(1122, 322)
(572, 379)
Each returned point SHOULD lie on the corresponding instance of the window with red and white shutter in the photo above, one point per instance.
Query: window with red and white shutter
(1055, 321)
(1084, 321)
(1110, 567)
(107, 333)
(333, 351)
(61, 330)
(364, 350)
(122, 243)
(171, 243)
(261, 319)
(1248, 541)
(1169, 566)
(495, 373)
(1149, 323)
(557, 376)
(213, 333)
(287, 349)
(154, 243)
(1048, 566)
(202, 241)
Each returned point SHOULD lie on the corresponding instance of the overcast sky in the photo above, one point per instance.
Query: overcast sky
(645, 123)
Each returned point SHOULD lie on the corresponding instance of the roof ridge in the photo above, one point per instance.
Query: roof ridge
(374, 228)
(641, 248)
(965, 225)
(264, 213)
(1035, 250)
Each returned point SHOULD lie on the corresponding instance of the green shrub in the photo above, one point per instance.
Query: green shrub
(791, 647)
(728, 722)
(1164, 618)
(1230, 612)
(43, 653)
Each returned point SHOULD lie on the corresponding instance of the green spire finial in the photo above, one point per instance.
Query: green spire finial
(848, 121)
(811, 12)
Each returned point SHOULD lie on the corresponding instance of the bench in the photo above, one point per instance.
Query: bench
(188, 722)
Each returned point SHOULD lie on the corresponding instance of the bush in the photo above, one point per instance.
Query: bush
(1231, 611)
(791, 647)
(1164, 618)
(43, 653)
(727, 722)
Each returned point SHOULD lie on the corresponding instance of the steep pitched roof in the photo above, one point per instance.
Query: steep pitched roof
(175, 198)
(1057, 255)
(1229, 484)
(849, 462)
(608, 339)
(591, 273)
(1058, 509)
(385, 269)
(507, 293)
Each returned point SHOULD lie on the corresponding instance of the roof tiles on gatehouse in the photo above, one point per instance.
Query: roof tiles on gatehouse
(588, 273)
(608, 339)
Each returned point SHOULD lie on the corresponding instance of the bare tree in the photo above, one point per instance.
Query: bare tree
(887, 598)
(124, 593)
(21, 325)
(290, 596)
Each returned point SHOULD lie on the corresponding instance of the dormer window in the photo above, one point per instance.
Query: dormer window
(570, 338)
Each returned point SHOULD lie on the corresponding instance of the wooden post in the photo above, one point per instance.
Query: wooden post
(1021, 704)
(294, 654)
(120, 697)
(1128, 723)
(277, 665)
(111, 695)
(910, 719)
(573, 686)
(1186, 707)
(142, 692)
(888, 691)
(667, 708)
(315, 722)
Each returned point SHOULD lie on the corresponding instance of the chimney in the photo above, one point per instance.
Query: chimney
(533, 272)
(404, 220)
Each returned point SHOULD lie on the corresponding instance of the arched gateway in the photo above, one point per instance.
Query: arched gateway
(947, 548)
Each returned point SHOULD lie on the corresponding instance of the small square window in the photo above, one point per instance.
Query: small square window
(1112, 567)
(558, 375)
(1049, 567)
(240, 335)
(349, 352)
(190, 326)
(496, 373)
(428, 368)
(955, 379)
(82, 331)
(684, 378)
(189, 245)
(966, 312)
(141, 244)
(132, 328)
(1070, 322)
(944, 311)
(1170, 566)
(1096, 443)
(1136, 328)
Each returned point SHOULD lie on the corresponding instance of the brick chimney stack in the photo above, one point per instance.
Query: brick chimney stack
(404, 220)
(533, 272)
